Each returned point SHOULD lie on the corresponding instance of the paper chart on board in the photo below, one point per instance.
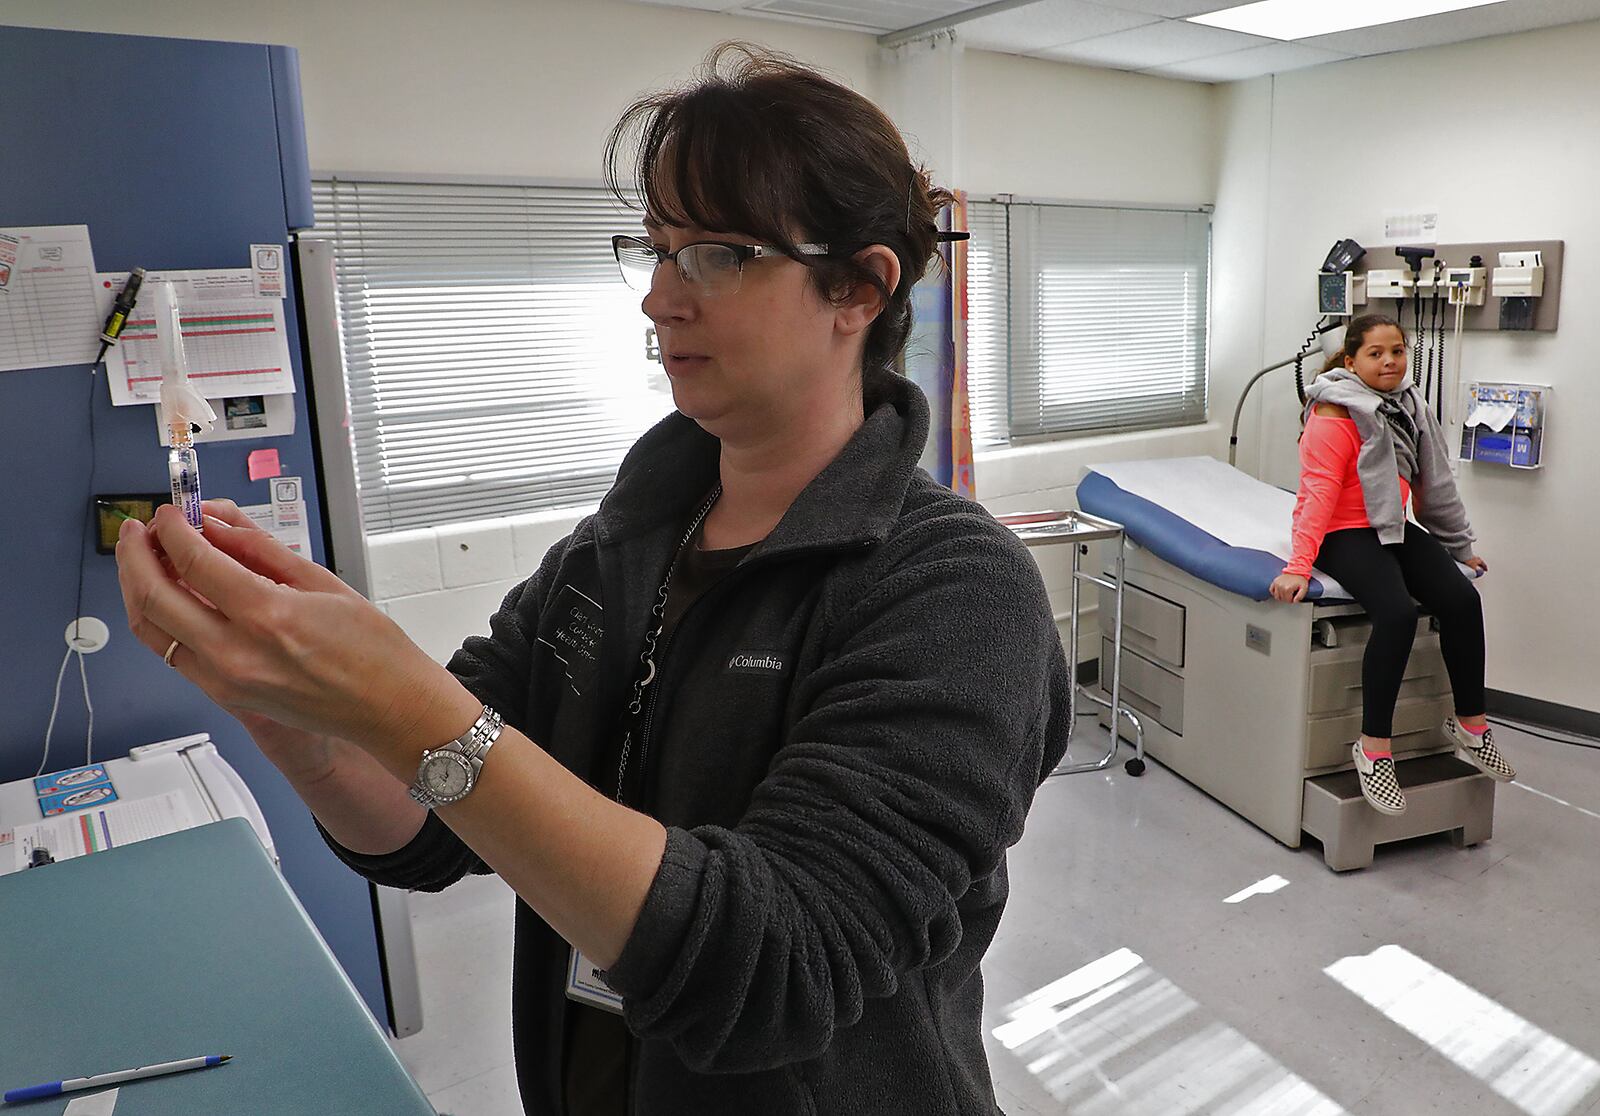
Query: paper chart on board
(103, 827)
(235, 343)
(47, 297)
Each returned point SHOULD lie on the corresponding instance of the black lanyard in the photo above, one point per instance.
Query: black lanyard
(647, 657)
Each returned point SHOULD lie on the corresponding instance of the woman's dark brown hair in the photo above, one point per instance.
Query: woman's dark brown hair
(762, 146)
(1356, 332)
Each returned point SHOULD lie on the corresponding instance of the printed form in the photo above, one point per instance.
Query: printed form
(234, 342)
(100, 828)
(47, 297)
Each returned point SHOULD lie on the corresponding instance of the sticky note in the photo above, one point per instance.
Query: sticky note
(264, 464)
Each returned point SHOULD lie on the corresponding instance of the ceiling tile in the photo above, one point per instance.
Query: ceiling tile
(1174, 9)
(696, 5)
(867, 15)
(1152, 35)
(1157, 44)
(1047, 24)
(1504, 18)
(1240, 65)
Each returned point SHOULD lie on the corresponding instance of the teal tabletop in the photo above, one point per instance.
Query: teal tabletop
(176, 947)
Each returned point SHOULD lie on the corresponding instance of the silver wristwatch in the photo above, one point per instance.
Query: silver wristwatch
(449, 772)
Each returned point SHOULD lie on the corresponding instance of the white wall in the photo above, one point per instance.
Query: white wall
(1520, 163)
(470, 87)
(1239, 254)
(920, 88)
(1056, 130)
(530, 88)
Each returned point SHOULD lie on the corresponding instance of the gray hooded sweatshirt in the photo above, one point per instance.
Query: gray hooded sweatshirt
(1377, 415)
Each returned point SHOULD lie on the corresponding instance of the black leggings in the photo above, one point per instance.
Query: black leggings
(1384, 579)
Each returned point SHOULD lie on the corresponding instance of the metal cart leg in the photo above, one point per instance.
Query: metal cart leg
(1136, 765)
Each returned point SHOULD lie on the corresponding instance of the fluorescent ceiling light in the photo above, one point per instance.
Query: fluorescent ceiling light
(1301, 19)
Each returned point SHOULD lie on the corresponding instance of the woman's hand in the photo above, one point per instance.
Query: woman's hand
(1477, 565)
(302, 756)
(1290, 588)
(280, 642)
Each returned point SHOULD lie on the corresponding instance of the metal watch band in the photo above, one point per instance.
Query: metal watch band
(483, 733)
(472, 746)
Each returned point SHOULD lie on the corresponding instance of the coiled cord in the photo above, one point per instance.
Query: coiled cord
(1299, 361)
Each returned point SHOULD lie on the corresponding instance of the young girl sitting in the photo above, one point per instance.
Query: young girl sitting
(1370, 446)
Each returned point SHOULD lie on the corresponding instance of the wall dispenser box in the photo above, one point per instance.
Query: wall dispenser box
(1517, 282)
(1520, 275)
(1505, 424)
(1393, 282)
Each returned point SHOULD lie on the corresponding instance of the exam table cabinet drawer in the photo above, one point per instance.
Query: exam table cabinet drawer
(1353, 632)
(1336, 676)
(1146, 687)
(1151, 625)
(1416, 728)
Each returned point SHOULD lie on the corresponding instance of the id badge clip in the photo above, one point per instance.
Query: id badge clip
(587, 985)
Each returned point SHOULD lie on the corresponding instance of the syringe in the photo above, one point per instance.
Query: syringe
(182, 407)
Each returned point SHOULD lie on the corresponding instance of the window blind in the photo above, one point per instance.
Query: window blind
(1106, 312)
(988, 333)
(496, 361)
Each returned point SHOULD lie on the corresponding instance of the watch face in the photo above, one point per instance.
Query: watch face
(445, 775)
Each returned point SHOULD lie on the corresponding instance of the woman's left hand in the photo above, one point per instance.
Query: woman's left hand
(262, 630)
(1477, 565)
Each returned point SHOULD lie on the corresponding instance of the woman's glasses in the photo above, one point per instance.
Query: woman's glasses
(711, 267)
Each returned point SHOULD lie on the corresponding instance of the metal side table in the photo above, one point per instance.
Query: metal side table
(1078, 529)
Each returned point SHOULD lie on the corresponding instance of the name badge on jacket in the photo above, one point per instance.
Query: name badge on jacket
(572, 631)
(586, 984)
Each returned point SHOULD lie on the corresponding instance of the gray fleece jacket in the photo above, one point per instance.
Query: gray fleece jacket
(1434, 498)
(847, 734)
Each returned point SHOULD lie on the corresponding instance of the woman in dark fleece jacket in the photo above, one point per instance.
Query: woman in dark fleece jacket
(771, 716)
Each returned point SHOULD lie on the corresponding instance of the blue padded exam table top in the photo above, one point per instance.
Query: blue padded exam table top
(1208, 519)
(1205, 517)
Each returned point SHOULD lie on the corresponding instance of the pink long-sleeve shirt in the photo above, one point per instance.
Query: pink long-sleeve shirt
(1330, 497)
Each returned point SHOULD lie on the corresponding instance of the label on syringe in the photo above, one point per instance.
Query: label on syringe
(183, 468)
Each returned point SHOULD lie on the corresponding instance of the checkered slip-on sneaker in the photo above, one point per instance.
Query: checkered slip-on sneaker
(1480, 750)
(1379, 785)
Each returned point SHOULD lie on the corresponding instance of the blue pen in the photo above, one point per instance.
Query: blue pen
(73, 1084)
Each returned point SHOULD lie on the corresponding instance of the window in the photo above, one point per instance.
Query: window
(497, 364)
(1085, 319)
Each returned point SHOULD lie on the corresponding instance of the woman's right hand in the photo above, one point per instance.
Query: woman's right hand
(1290, 588)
